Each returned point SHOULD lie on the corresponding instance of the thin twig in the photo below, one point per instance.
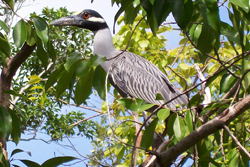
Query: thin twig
(80, 106)
(236, 141)
(74, 124)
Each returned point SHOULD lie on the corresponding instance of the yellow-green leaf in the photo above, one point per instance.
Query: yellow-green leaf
(34, 79)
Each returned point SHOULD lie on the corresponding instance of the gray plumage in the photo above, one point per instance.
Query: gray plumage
(130, 74)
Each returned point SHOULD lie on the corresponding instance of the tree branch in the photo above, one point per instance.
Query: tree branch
(167, 157)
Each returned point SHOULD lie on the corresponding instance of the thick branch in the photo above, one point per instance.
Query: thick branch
(18, 59)
(7, 76)
(167, 157)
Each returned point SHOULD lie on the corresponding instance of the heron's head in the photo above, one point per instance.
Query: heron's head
(88, 19)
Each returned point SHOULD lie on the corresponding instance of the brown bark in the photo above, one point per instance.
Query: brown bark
(166, 158)
(7, 75)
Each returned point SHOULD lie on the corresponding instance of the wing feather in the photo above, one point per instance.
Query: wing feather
(134, 76)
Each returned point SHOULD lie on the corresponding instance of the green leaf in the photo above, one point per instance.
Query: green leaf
(170, 125)
(163, 113)
(143, 43)
(84, 87)
(41, 29)
(5, 123)
(12, 92)
(72, 59)
(208, 39)
(31, 40)
(130, 13)
(30, 163)
(179, 128)
(16, 124)
(82, 68)
(19, 33)
(227, 82)
(244, 4)
(54, 162)
(230, 32)
(34, 79)
(195, 99)
(161, 10)
(245, 67)
(188, 120)
(233, 157)
(144, 107)
(54, 76)
(51, 51)
(4, 60)
(65, 79)
(124, 5)
(18, 151)
(182, 12)
(99, 82)
(151, 18)
(4, 26)
(41, 53)
(209, 10)
(148, 135)
(130, 103)
(96, 60)
(5, 46)
(10, 3)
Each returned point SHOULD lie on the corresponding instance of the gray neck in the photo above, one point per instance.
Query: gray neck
(103, 46)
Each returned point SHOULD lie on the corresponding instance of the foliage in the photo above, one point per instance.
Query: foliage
(61, 69)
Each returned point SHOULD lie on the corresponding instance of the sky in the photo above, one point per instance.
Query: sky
(41, 151)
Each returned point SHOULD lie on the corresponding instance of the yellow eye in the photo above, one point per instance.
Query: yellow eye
(85, 15)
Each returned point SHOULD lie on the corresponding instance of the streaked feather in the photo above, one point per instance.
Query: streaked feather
(134, 76)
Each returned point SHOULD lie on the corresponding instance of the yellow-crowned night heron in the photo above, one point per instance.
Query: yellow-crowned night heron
(130, 74)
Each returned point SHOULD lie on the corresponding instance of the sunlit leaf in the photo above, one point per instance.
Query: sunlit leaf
(163, 114)
(244, 4)
(34, 79)
(226, 83)
(179, 128)
(19, 33)
(189, 121)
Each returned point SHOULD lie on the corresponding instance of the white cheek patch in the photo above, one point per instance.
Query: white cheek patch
(96, 19)
(77, 12)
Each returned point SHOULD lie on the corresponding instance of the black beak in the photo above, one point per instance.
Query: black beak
(73, 20)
